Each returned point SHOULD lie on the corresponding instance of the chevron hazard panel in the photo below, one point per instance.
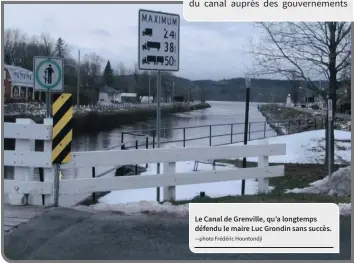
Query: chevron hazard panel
(62, 128)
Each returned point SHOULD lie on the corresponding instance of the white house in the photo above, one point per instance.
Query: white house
(110, 95)
(18, 83)
(126, 97)
(107, 95)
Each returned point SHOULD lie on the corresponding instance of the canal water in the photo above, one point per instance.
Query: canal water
(221, 113)
(228, 115)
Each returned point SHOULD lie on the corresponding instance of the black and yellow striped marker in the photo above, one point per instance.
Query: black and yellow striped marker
(62, 128)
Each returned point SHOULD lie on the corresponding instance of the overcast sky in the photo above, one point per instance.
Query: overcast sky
(207, 51)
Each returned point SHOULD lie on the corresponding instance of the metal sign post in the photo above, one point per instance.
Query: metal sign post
(330, 139)
(158, 49)
(49, 77)
(158, 124)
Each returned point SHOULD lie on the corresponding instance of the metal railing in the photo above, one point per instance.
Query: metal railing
(265, 129)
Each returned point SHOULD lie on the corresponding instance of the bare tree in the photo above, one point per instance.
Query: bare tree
(313, 50)
(48, 44)
(141, 79)
(91, 72)
(12, 38)
(121, 69)
(294, 88)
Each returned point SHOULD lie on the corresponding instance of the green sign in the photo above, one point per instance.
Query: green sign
(38, 78)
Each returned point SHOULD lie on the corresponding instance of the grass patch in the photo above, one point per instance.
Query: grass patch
(296, 176)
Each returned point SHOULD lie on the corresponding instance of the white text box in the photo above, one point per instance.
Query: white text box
(267, 10)
(264, 228)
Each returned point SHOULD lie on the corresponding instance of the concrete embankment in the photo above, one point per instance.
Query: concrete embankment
(288, 121)
(106, 118)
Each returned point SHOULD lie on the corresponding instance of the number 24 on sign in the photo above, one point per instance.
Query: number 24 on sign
(172, 34)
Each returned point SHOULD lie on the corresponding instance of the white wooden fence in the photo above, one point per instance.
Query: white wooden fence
(24, 189)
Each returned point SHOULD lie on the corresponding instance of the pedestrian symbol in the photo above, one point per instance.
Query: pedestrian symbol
(48, 74)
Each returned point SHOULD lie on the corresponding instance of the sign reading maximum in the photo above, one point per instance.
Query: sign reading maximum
(264, 228)
(158, 41)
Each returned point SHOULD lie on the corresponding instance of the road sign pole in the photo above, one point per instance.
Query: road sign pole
(158, 123)
(47, 105)
(158, 50)
(149, 90)
(62, 136)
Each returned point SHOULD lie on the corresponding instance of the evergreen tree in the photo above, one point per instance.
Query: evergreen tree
(61, 48)
(108, 74)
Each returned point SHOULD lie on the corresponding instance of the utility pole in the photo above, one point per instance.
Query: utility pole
(78, 80)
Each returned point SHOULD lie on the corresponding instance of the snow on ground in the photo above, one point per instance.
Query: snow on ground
(305, 147)
(308, 147)
(183, 192)
(339, 184)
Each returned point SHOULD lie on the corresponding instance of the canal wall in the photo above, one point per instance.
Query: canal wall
(285, 120)
(86, 120)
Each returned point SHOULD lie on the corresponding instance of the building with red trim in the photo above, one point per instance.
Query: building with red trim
(18, 84)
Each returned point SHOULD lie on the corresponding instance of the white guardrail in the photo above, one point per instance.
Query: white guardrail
(25, 187)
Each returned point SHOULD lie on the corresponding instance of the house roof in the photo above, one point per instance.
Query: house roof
(108, 89)
(20, 76)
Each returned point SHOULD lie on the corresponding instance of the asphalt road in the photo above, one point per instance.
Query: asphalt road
(63, 234)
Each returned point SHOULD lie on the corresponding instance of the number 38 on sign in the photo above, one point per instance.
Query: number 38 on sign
(158, 41)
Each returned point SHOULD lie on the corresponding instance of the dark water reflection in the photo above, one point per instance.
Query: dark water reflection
(221, 113)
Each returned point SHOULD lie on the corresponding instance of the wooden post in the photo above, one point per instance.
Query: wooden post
(210, 135)
(93, 176)
(136, 147)
(153, 139)
(122, 137)
(147, 147)
(48, 172)
(169, 192)
(265, 129)
(263, 183)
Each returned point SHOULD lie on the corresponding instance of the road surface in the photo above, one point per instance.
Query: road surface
(63, 234)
